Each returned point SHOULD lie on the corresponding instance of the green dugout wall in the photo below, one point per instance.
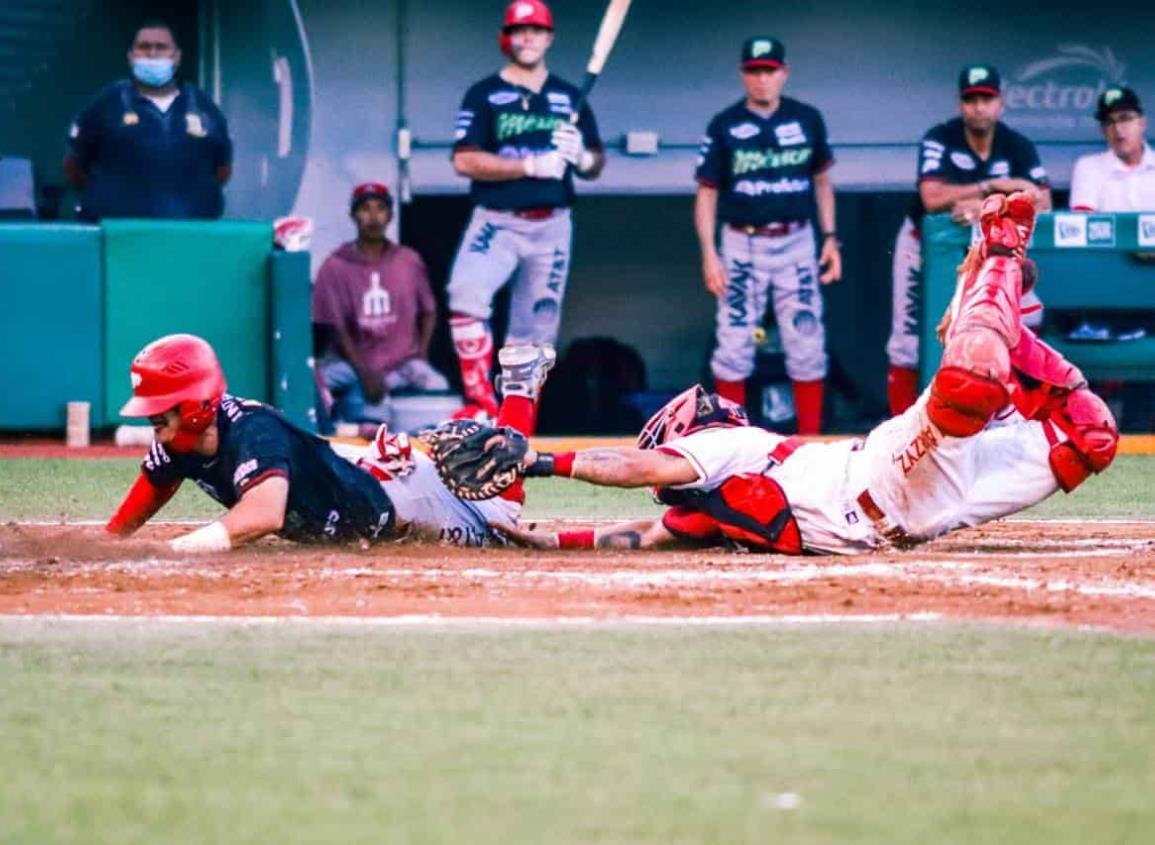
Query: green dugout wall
(1087, 262)
(80, 301)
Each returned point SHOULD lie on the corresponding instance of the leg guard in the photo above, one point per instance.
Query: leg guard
(901, 388)
(1092, 438)
(969, 387)
(753, 511)
(1042, 377)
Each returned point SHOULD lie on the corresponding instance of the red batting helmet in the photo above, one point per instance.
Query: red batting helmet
(691, 410)
(178, 371)
(523, 13)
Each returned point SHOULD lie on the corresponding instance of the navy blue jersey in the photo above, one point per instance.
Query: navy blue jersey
(330, 499)
(763, 167)
(944, 155)
(513, 122)
(143, 162)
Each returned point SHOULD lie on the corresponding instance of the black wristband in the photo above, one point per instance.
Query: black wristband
(542, 467)
(828, 235)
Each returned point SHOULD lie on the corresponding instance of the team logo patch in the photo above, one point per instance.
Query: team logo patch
(458, 134)
(195, 125)
(503, 98)
(243, 471)
(1112, 96)
(744, 131)
(1002, 167)
(1101, 230)
(136, 379)
(761, 47)
(523, 10)
(790, 133)
(962, 161)
(1038, 173)
(558, 98)
(805, 323)
(977, 75)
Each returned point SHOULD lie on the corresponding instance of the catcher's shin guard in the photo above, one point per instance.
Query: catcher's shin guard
(473, 343)
(1092, 438)
(971, 385)
(1042, 377)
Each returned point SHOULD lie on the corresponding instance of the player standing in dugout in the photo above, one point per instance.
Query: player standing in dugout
(960, 162)
(764, 173)
(517, 141)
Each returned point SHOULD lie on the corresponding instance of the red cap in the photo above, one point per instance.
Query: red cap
(369, 190)
(527, 13)
(171, 371)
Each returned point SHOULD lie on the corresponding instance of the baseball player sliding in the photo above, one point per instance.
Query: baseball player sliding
(1005, 423)
(519, 141)
(275, 478)
(762, 172)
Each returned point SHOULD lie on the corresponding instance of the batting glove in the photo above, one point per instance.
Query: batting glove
(567, 138)
(214, 537)
(549, 165)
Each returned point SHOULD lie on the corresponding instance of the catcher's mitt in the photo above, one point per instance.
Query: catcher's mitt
(476, 461)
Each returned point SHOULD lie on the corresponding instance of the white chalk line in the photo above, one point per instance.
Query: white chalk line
(435, 620)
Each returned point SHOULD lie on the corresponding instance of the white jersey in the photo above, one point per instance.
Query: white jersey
(924, 483)
(430, 511)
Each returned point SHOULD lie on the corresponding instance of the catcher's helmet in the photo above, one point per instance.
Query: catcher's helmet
(523, 13)
(691, 410)
(178, 371)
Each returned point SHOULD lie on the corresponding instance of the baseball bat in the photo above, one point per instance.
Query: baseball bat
(612, 20)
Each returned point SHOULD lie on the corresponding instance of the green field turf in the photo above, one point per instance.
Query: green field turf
(91, 489)
(146, 732)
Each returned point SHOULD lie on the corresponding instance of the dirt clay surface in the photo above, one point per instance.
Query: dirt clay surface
(1062, 573)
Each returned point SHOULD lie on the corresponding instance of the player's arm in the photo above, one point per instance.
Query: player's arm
(142, 502)
(260, 511)
(614, 467)
(939, 196)
(705, 224)
(642, 534)
(487, 167)
(830, 257)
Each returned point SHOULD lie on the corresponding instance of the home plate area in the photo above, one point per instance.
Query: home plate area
(1068, 573)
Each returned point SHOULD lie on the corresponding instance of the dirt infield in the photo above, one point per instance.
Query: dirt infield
(1079, 573)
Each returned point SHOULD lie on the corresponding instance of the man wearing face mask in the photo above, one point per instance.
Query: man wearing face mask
(151, 145)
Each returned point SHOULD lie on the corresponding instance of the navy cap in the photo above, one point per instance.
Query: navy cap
(367, 190)
(979, 79)
(763, 51)
(1117, 98)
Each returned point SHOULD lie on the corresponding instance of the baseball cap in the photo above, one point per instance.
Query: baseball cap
(1117, 98)
(979, 79)
(763, 51)
(368, 190)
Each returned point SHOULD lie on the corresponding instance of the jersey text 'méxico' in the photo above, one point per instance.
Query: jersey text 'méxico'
(330, 499)
(944, 155)
(763, 167)
(513, 122)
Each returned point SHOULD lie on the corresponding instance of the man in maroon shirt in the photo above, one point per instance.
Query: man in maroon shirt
(374, 313)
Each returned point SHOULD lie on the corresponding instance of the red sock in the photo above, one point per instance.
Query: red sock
(808, 405)
(735, 391)
(473, 343)
(901, 389)
(519, 413)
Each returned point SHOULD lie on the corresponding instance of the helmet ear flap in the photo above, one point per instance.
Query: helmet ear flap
(505, 43)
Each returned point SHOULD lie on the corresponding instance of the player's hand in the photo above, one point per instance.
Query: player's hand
(567, 140)
(830, 259)
(714, 274)
(965, 212)
(1007, 185)
(549, 165)
(527, 539)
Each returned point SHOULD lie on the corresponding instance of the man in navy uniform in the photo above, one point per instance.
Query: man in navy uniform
(150, 146)
(960, 162)
(763, 173)
(519, 143)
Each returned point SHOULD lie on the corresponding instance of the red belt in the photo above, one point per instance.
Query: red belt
(882, 523)
(534, 213)
(770, 230)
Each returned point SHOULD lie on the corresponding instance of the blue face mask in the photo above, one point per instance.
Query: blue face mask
(155, 73)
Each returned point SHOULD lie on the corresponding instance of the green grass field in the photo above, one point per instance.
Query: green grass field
(145, 731)
(91, 489)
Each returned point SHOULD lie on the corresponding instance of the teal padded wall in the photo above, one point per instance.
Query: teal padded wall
(50, 330)
(209, 279)
(291, 343)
